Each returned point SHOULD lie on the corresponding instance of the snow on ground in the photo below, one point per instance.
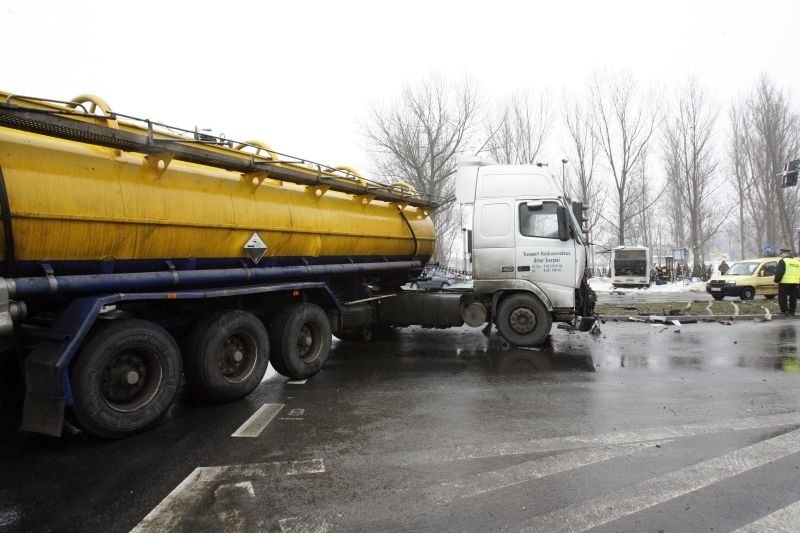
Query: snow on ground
(604, 285)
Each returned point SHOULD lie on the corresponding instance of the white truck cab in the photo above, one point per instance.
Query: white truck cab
(529, 253)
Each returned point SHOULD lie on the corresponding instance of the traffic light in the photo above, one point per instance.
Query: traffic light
(790, 173)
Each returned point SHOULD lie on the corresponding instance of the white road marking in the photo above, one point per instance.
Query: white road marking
(297, 412)
(545, 466)
(306, 525)
(167, 514)
(595, 512)
(258, 421)
(229, 505)
(601, 439)
(296, 382)
(244, 486)
(191, 492)
(785, 520)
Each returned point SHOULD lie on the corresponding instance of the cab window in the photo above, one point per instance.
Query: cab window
(539, 220)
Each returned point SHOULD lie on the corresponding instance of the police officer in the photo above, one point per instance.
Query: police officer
(787, 275)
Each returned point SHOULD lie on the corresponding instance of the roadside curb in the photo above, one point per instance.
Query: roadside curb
(659, 319)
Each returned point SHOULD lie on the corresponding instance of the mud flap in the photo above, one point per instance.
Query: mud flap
(45, 400)
(46, 376)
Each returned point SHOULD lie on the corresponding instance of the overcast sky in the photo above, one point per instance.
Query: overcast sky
(299, 75)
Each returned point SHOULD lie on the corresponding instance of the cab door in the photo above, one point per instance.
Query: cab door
(541, 257)
(765, 283)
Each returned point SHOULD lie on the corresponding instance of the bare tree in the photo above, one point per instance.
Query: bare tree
(623, 123)
(518, 130)
(765, 134)
(691, 165)
(744, 176)
(583, 152)
(672, 206)
(641, 227)
(418, 139)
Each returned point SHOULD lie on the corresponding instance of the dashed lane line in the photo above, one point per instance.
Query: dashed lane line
(259, 420)
(618, 504)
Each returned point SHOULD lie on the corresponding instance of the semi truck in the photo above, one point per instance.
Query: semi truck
(136, 254)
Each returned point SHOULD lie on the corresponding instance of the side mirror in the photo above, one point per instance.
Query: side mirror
(580, 210)
(563, 223)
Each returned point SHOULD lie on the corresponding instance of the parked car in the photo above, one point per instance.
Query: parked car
(745, 279)
(437, 279)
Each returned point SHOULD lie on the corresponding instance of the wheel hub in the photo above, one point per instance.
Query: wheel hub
(305, 344)
(237, 358)
(132, 378)
(522, 320)
(129, 380)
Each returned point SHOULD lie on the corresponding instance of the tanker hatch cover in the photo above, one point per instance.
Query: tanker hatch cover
(255, 248)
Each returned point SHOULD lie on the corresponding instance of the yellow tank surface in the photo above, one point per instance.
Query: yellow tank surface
(70, 200)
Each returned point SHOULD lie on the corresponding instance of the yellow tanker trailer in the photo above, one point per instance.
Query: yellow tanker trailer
(131, 251)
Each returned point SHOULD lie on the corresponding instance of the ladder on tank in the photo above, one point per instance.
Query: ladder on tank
(160, 145)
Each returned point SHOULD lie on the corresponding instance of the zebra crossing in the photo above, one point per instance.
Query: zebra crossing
(242, 497)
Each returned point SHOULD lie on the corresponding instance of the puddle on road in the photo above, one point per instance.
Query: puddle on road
(756, 345)
(771, 345)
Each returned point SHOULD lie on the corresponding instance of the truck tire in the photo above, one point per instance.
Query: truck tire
(301, 340)
(523, 320)
(747, 293)
(227, 355)
(125, 378)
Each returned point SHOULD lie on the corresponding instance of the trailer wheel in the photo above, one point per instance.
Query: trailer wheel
(227, 355)
(523, 320)
(125, 378)
(301, 340)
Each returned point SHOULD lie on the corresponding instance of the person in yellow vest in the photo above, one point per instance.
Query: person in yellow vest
(787, 275)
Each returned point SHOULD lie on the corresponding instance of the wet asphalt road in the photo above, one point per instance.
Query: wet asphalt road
(640, 428)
